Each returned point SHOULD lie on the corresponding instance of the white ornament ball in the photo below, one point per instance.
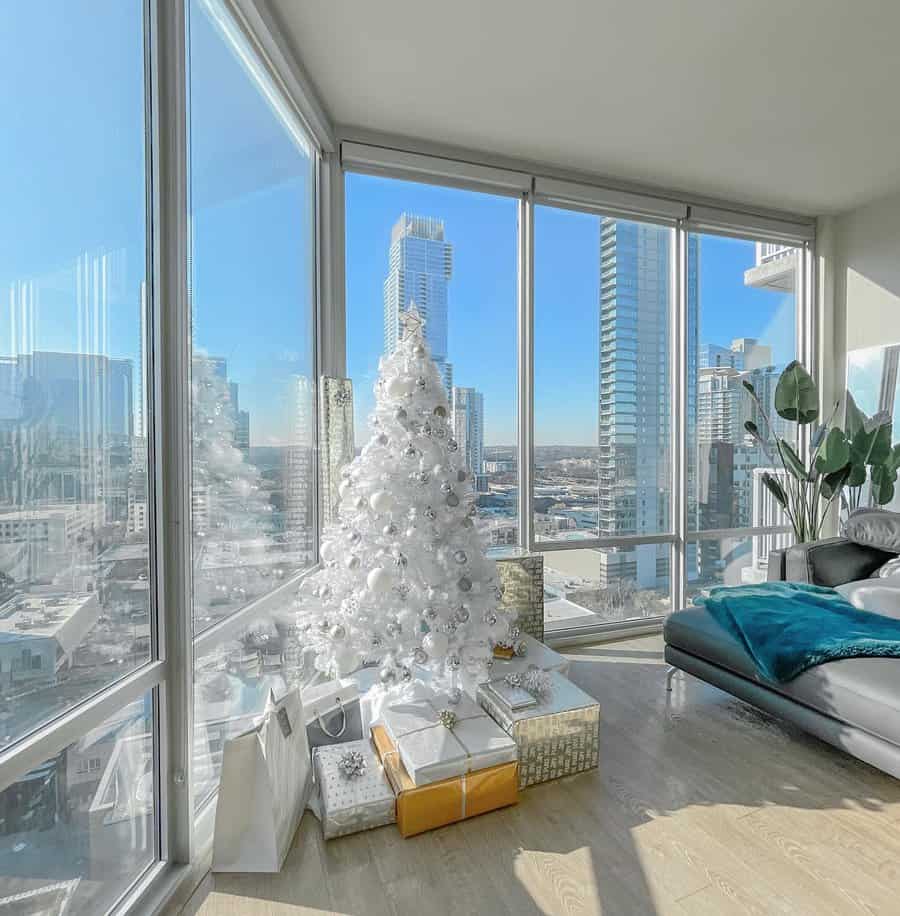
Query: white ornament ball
(435, 644)
(395, 387)
(381, 501)
(378, 581)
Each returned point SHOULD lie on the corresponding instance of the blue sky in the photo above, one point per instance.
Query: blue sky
(482, 312)
(72, 184)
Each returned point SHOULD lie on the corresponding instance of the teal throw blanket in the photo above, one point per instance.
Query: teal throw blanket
(788, 627)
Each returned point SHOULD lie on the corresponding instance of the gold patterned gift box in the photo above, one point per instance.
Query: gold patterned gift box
(558, 736)
(421, 808)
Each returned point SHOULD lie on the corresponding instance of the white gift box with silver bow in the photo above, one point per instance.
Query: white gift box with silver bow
(430, 751)
(351, 803)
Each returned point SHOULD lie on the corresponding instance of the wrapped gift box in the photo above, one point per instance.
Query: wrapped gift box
(353, 803)
(431, 752)
(421, 808)
(559, 736)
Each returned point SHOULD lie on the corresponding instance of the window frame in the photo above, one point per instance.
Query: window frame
(432, 163)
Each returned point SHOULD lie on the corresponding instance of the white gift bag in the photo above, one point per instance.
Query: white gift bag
(265, 784)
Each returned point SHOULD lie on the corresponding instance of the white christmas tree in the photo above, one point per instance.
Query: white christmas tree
(405, 579)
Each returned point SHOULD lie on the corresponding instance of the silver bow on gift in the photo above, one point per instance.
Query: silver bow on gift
(352, 764)
(535, 680)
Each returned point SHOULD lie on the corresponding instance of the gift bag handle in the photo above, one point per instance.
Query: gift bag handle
(339, 733)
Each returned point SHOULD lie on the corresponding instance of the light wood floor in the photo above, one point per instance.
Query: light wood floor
(701, 805)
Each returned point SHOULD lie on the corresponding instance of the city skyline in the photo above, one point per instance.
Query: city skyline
(482, 303)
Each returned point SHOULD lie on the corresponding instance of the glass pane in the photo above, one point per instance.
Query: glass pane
(742, 320)
(74, 590)
(454, 253)
(583, 587)
(232, 680)
(732, 561)
(252, 281)
(602, 395)
(79, 829)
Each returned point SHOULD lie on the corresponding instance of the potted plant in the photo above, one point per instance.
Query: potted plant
(806, 491)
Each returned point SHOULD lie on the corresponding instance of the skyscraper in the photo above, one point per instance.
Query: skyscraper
(420, 267)
(635, 394)
(468, 426)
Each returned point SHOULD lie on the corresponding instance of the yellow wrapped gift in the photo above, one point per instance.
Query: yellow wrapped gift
(421, 808)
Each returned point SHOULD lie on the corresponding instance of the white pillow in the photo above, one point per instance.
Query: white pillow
(879, 596)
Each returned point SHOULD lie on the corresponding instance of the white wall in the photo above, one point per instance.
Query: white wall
(867, 275)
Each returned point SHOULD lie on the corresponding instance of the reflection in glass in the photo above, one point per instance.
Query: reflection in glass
(253, 394)
(580, 590)
(734, 561)
(79, 829)
(74, 559)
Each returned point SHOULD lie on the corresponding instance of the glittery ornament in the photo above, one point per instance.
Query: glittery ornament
(440, 411)
(389, 530)
(460, 556)
(338, 632)
(462, 614)
(429, 513)
(447, 718)
(421, 383)
(521, 648)
(418, 351)
(393, 629)
(420, 656)
(430, 614)
(446, 487)
(490, 618)
(454, 695)
(452, 500)
(452, 445)
(400, 415)
(404, 674)
(464, 584)
(402, 590)
(454, 662)
(401, 561)
(462, 476)
(410, 452)
(423, 477)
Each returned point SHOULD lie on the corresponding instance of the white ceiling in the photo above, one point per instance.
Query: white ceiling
(793, 105)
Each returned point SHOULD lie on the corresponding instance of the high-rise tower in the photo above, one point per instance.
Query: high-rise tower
(420, 267)
(635, 395)
(468, 426)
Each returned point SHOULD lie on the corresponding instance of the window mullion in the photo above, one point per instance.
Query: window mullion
(171, 346)
(525, 393)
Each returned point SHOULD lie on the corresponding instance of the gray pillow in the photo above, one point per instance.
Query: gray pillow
(878, 528)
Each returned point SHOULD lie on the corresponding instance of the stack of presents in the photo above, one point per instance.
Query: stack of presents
(435, 758)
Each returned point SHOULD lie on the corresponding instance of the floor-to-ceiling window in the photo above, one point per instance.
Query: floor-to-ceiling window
(602, 415)
(454, 254)
(742, 327)
(253, 380)
(78, 819)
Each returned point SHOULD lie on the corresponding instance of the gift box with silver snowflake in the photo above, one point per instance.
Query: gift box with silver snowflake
(354, 792)
(558, 734)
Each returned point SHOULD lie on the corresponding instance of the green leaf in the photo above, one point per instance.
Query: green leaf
(857, 475)
(774, 486)
(835, 482)
(796, 395)
(880, 450)
(791, 460)
(883, 479)
(834, 452)
(894, 460)
(748, 386)
(854, 419)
